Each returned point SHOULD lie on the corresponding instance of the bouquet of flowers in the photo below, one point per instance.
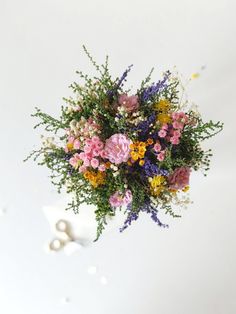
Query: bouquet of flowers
(125, 151)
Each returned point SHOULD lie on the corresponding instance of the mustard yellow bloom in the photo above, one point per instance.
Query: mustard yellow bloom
(141, 162)
(134, 155)
(185, 189)
(163, 118)
(138, 150)
(163, 105)
(157, 185)
(95, 178)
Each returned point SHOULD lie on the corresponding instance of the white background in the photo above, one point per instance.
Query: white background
(189, 268)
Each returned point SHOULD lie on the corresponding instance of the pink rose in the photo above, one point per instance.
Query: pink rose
(117, 148)
(179, 178)
(94, 163)
(129, 103)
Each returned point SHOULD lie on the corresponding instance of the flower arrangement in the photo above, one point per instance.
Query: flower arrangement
(125, 151)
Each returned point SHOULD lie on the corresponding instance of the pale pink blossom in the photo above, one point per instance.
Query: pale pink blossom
(161, 155)
(74, 161)
(178, 125)
(87, 149)
(76, 144)
(128, 197)
(157, 147)
(94, 163)
(176, 133)
(174, 140)
(129, 103)
(103, 154)
(117, 199)
(117, 148)
(162, 133)
(82, 169)
(102, 168)
(95, 139)
(179, 178)
(86, 162)
(165, 126)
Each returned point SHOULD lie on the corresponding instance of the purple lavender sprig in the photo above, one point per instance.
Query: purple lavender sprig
(149, 209)
(120, 83)
(152, 90)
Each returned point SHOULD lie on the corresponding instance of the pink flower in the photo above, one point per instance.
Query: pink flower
(82, 155)
(87, 149)
(94, 163)
(174, 140)
(157, 147)
(117, 200)
(176, 133)
(74, 161)
(82, 169)
(102, 168)
(86, 162)
(130, 103)
(162, 133)
(95, 139)
(161, 155)
(76, 144)
(165, 126)
(179, 178)
(178, 125)
(117, 148)
(103, 154)
(99, 145)
(128, 197)
(175, 115)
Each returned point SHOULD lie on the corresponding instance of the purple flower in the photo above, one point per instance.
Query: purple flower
(150, 169)
(152, 90)
(148, 208)
(120, 83)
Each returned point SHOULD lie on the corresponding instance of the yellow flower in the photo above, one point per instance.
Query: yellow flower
(141, 162)
(157, 181)
(70, 146)
(163, 118)
(134, 155)
(157, 185)
(95, 179)
(141, 144)
(163, 105)
(185, 189)
(141, 151)
(138, 150)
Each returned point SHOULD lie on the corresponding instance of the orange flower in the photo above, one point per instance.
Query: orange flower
(150, 141)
